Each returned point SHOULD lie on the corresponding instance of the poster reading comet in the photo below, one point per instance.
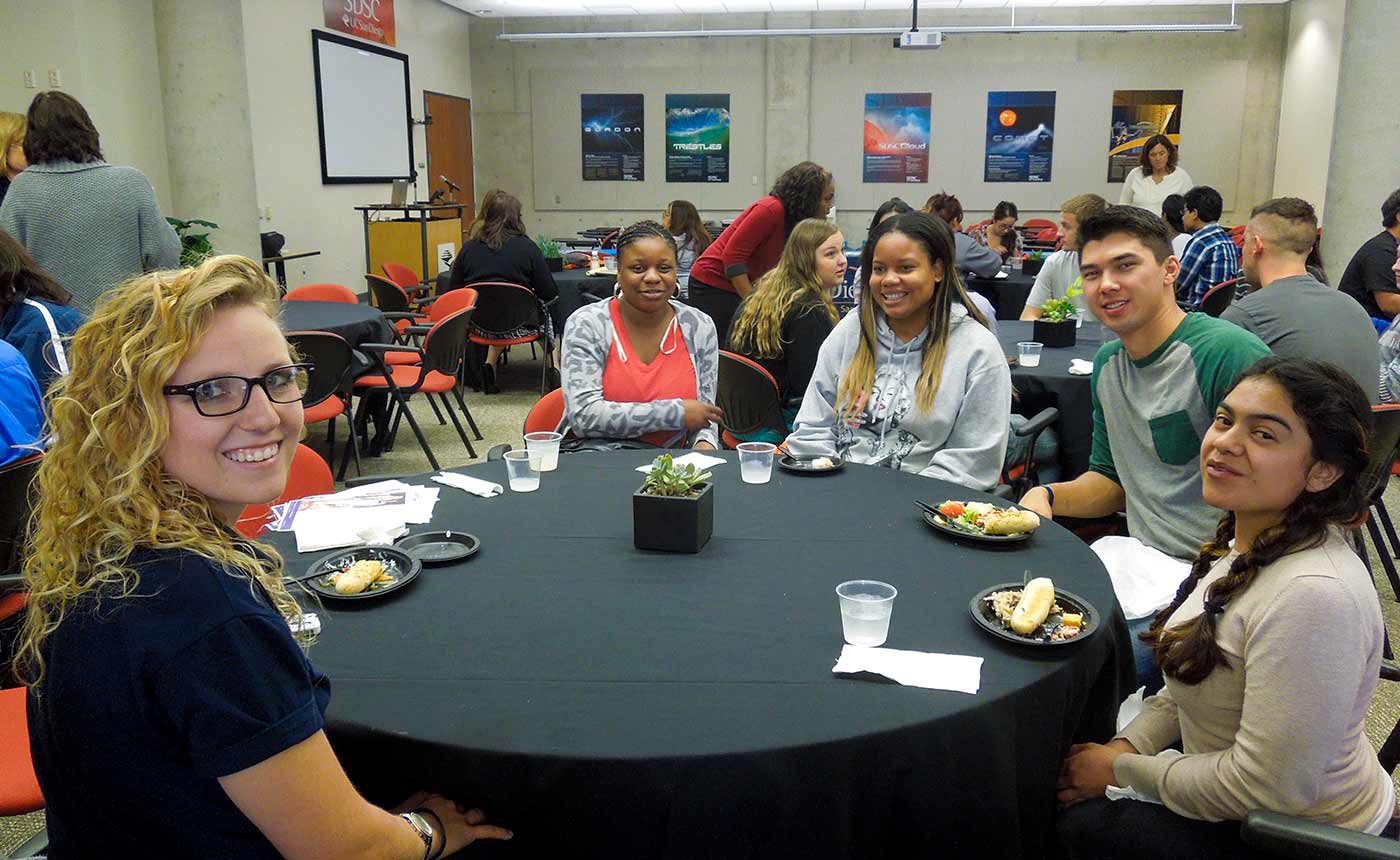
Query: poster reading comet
(1020, 137)
(612, 137)
(697, 138)
(1138, 115)
(897, 137)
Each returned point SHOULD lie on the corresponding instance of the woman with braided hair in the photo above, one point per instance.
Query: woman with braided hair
(1271, 649)
(641, 365)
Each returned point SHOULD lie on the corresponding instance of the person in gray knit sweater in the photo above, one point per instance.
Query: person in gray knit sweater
(90, 224)
(914, 379)
(1271, 648)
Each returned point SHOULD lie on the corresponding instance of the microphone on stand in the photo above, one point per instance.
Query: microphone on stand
(450, 184)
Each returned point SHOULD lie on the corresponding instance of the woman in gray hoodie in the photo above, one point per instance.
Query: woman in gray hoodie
(914, 380)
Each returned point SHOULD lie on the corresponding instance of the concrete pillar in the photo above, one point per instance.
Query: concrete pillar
(1307, 113)
(1363, 168)
(209, 137)
(788, 82)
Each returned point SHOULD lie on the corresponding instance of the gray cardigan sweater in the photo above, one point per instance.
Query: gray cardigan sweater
(588, 340)
(89, 225)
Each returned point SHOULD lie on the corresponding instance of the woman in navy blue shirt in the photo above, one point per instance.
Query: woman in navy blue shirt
(171, 711)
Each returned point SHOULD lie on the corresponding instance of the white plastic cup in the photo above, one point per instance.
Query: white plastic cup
(523, 471)
(1029, 353)
(756, 461)
(546, 444)
(866, 606)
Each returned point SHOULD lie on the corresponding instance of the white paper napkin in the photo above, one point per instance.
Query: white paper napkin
(701, 461)
(1001, 275)
(914, 668)
(1080, 366)
(1144, 579)
(466, 483)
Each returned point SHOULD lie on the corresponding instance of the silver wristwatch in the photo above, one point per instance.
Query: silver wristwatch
(424, 830)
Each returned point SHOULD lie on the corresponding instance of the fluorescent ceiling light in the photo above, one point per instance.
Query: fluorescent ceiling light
(584, 8)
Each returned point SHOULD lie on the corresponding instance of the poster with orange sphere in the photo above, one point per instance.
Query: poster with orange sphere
(1020, 137)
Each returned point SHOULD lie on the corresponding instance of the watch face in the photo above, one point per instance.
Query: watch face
(425, 830)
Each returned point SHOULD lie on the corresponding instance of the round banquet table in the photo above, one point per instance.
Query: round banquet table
(607, 702)
(356, 323)
(1051, 384)
(573, 283)
(1008, 295)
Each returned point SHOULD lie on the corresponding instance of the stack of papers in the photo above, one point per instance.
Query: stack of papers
(374, 513)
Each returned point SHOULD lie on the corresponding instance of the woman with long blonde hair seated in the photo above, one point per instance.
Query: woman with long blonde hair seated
(914, 379)
(783, 322)
(171, 710)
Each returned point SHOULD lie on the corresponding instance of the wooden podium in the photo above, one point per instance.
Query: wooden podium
(411, 234)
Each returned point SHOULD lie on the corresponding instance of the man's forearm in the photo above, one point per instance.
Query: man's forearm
(1090, 495)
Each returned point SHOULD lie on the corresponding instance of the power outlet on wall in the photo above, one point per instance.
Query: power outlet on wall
(29, 82)
(55, 80)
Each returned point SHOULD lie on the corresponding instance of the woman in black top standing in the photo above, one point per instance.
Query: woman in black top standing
(503, 252)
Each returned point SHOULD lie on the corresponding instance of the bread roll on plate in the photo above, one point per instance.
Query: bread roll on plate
(1011, 521)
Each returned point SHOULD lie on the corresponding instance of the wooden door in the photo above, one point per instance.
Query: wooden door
(450, 150)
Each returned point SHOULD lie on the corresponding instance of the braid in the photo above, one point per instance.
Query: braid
(644, 230)
(1189, 652)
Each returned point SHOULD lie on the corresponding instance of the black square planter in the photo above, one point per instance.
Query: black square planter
(1031, 267)
(673, 523)
(1054, 334)
(555, 264)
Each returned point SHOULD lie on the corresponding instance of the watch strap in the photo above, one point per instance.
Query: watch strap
(424, 830)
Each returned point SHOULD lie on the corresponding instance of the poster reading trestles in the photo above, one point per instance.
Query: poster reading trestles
(697, 137)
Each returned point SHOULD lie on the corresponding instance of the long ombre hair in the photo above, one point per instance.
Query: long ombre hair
(936, 238)
(1337, 416)
(102, 491)
(758, 326)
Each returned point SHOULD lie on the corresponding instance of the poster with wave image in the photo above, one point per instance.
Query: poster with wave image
(1020, 137)
(897, 130)
(697, 137)
(612, 137)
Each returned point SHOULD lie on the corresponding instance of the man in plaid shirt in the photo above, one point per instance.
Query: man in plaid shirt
(1211, 256)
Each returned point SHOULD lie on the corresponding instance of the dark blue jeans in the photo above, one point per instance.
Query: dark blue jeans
(1134, 830)
(1147, 673)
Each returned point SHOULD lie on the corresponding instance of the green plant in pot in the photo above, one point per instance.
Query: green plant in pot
(674, 510)
(1033, 262)
(1058, 320)
(553, 254)
(194, 247)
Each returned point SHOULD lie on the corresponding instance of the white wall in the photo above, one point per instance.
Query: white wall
(803, 114)
(105, 53)
(1309, 106)
(286, 153)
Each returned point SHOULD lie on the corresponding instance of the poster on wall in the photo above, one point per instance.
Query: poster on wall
(612, 137)
(1020, 137)
(368, 19)
(897, 137)
(1138, 115)
(697, 137)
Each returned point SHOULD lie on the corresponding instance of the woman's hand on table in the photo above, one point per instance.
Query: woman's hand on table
(699, 415)
(1088, 770)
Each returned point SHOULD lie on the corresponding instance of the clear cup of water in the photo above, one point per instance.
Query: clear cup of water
(1029, 352)
(547, 445)
(866, 606)
(756, 461)
(523, 471)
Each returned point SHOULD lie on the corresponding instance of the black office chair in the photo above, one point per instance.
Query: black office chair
(1019, 478)
(749, 397)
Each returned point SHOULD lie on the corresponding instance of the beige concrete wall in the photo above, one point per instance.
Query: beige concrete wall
(1308, 109)
(799, 114)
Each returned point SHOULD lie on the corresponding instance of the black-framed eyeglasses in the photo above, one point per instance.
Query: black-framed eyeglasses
(225, 395)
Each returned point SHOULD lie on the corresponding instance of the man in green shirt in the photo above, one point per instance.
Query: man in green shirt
(1154, 392)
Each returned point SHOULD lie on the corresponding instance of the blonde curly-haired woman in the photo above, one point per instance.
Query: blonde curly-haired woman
(170, 708)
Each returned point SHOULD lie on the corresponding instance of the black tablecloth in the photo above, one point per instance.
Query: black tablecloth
(603, 701)
(1007, 295)
(1051, 384)
(573, 283)
(356, 323)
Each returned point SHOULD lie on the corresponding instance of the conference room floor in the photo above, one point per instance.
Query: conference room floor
(500, 417)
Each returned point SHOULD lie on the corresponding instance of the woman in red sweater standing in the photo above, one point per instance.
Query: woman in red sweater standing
(751, 246)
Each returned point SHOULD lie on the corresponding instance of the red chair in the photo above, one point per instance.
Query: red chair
(750, 398)
(19, 787)
(310, 476)
(328, 395)
(1048, 236)
(441, 357)
(1219, 297)
(442, 307)
(1237, 236)
(982, 223)
(323, 293)
(1038, 224)
(404, 277)
(547, 415)
(501, 307)
(401, 311)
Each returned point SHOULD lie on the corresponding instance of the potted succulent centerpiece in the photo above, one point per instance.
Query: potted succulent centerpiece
(1058, 322)
(553, 255)
(1032, 263)
(674, 510)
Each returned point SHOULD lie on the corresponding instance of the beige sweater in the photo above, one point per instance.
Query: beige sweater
(1280, 728)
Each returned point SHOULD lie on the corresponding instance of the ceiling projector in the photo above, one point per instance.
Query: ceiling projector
(919, 40)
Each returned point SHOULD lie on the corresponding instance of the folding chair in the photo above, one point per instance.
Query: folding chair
(440, 359)
(750, 398)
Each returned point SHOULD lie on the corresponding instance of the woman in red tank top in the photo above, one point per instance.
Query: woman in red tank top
(640, 366)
